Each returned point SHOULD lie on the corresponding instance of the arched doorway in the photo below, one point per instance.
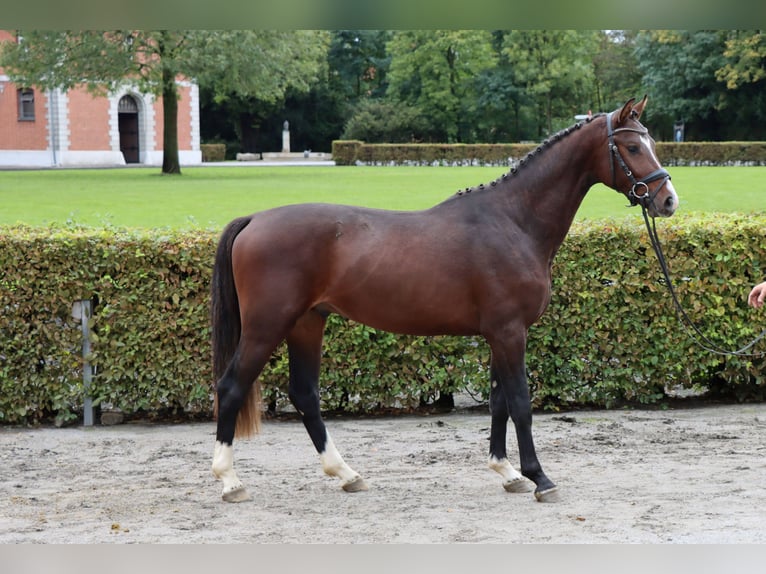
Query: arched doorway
(127, 117)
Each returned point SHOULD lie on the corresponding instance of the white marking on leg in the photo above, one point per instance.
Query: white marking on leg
(513, 481)
(223, 469)
(334, 465)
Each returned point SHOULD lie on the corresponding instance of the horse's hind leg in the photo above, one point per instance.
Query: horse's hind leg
(233, 390)
(304, 345)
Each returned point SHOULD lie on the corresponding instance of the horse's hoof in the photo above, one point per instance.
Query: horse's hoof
(517, 485)
(239, 494)
(355, 485)
(550, 495)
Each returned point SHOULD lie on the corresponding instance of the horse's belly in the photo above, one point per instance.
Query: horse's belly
(409, 318)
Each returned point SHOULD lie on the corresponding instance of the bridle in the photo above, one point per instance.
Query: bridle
(645, 198)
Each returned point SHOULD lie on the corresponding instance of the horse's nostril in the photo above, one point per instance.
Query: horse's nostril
(670, 202)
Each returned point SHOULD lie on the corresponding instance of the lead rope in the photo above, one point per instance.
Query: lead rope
(683, 317)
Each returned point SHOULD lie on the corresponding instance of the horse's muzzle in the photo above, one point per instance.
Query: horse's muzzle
(660, 201)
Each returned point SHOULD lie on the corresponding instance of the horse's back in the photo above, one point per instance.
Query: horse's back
(382, 268)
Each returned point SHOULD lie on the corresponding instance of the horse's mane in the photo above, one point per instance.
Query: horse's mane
(524, 162)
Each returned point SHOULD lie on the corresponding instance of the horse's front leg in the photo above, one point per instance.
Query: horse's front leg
(513, 481)
(508, 368)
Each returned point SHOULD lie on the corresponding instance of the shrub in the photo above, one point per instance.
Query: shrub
(687, 153)
(213, 152)
(610, 334)
(386, 122)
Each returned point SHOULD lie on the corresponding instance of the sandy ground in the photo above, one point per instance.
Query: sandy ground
(693, 475)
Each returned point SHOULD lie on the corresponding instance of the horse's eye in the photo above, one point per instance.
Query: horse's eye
(633, 148)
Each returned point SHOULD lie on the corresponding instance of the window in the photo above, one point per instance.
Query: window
(26, 105)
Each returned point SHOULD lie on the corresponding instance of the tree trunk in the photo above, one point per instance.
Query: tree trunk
(170, 162)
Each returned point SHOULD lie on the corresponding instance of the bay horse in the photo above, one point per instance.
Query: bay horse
(478, 263)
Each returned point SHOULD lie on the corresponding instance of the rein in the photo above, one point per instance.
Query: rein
(697, 335)
(644, 200)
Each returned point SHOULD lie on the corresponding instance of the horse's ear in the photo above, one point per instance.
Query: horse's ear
(638, 109)
(625, 111)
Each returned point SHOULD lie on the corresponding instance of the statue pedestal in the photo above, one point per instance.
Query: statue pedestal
(286, 141)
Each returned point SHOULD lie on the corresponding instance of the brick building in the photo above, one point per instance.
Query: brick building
(73, 128)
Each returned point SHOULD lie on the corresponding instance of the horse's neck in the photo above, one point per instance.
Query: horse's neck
(543, 196)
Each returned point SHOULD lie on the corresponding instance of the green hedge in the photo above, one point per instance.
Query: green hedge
(354, 152)
(610, 334)
(712, 153)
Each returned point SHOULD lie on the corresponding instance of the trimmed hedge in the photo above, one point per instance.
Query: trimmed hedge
(610, 334)
(712, 153)
(354, 152)
(150, 327)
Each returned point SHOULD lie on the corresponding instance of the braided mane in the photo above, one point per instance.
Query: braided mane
(524, 162)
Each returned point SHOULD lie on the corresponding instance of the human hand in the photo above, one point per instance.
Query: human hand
(757, 295)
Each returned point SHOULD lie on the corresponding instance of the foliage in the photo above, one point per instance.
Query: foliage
(353, 152)
(746, 59)
(434, 71)
(679, 70)
(520, 85)
(698, 77)
(246, 75)
(384, 121)
(238, 64)
(149, 326)
(555, 67)
(617, 77)
(610, 334)
(260, 64)
(213, 152)
(359, 62)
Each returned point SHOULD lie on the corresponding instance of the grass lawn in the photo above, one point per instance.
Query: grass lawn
(209, 197)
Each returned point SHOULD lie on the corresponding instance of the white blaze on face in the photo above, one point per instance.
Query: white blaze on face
(646, 142)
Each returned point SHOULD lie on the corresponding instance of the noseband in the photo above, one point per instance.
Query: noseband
(644, 198)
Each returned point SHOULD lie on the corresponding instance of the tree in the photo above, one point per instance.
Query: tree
(436, 71)
(556, 69)
(243, 62)
(617, 77)
(746, 59)
(742, 107)
(358, 61)
(239, 98)
(383, 121)
(679, 72)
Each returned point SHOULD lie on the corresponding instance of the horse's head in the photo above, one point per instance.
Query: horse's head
(634, 169)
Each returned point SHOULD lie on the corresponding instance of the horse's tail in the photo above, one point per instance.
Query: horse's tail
(226, 328)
